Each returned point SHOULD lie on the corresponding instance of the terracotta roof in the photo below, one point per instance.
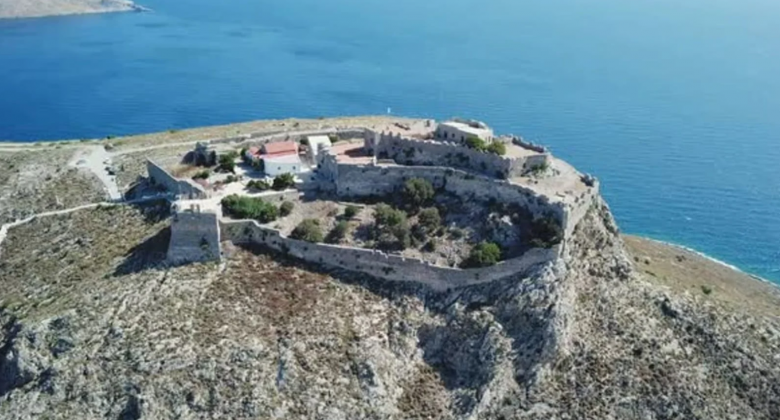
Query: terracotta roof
(280, 148)
(254, 151)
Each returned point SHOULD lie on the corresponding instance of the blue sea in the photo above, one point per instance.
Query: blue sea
(674, 105)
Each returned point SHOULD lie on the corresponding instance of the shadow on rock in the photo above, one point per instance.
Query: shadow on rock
(149, 253)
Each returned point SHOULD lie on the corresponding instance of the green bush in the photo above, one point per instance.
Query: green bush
(386, 216)
(283, 181)
(430, 246)
(338, 232)
(391, 228)
(429, 218)
(308, 230)
(201, 175)
(476, 143)
(427, 222)
(417, 192)
(333, 138)
(243, 207)
(258, 165)
(230, 179)
(286, 208)
(497, 148)
(259, 184)
(545, 232)
(484, 254)
(227, 162)
(351, 211)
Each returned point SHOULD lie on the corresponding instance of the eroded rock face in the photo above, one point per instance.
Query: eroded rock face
(263, 337)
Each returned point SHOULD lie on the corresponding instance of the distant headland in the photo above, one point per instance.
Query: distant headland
(10, 9)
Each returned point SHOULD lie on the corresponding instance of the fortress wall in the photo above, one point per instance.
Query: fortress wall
(183, 188)
(195, 236)
(409, 151)
(577, 211)
(381, 265)
(528, 145)
(277, 197)
(368, 180)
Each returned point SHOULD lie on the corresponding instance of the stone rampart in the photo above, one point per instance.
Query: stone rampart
(370, 180)
(410, 151)
(181, 188)
(277, 197)
(382, 265)
(195, 236)
(528, 145)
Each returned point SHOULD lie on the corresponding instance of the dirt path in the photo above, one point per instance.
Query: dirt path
(6, 227)
(96, 160)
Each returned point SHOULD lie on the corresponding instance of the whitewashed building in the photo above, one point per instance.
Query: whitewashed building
(460, 130)
(281, 164)
(318, 146)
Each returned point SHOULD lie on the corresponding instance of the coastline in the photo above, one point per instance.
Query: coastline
(28, 9)
(710, 258)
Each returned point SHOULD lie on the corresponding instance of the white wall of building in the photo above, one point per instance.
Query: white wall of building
(286, 164)
(459, 132)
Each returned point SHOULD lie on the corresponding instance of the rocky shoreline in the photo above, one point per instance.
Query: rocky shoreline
(18, 9)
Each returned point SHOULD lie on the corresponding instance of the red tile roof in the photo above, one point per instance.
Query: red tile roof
(280, 148)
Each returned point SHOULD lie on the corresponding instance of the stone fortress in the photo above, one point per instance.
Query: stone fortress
(379, 163)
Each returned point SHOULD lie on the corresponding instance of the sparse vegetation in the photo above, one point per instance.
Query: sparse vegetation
(242, 207)
(283, 181)
(386, 216)
(391, 228)
(201, 175)
(227, 162)
(286, 208)
(351, 211)
(546, 232)
(258, 184)
(308, 230)
(539, 169)
(476, 143)
(338, 233)
(427, 222)
(484, 254)
(334, 138)
(418, 192)
(706, 290)
(497, 148)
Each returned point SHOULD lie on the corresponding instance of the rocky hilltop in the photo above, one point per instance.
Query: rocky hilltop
(94, 324)
(39, 8)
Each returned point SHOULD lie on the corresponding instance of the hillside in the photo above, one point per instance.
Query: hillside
(38, 8)
(94, 324)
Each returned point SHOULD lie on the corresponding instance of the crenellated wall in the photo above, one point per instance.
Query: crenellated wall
(181, 188)
(410, 151)
(382, 265)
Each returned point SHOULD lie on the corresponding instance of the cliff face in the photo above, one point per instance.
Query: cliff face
(93, 327)
(38, 8)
